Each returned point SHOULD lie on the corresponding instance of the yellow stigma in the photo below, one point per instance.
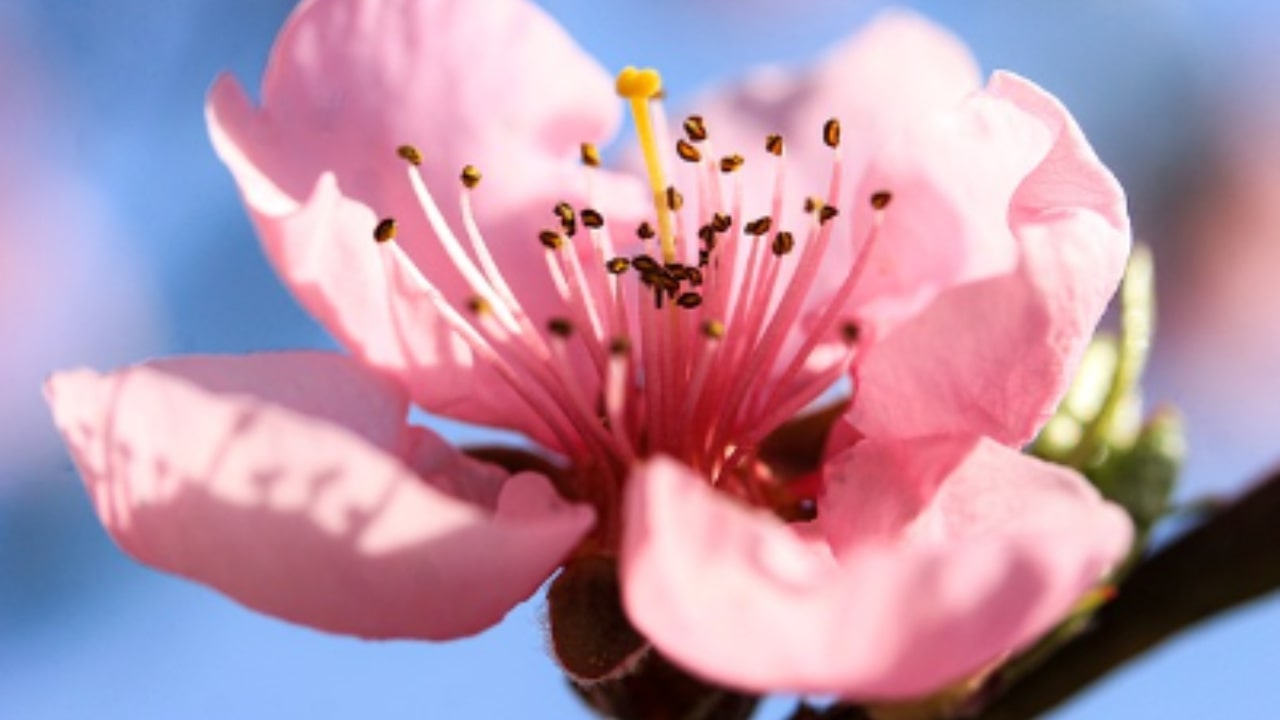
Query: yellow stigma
(638, 86)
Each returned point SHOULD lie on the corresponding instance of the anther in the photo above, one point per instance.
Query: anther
(783, 243)
(811, 204)
(827, 213)
(560, 327)
(645, 264)
(694, 275)
(773, 144)
(478, 305)
(880, 200)
(689, 300)
(707, 235)
(675, 200)
(617, 265)
(590, 155)
(619, 346)
(695, 128)
(831, 133)
(759, 226)
(678, 271)
(645, 231)
(850, 332)
(410, 154)
(470, 176)
(592, 218)
(385, 231)
(713, 329)
(687, 152)
(550, 239)
(704, 258)
(730, 163)
(721, 222)
(568, 220)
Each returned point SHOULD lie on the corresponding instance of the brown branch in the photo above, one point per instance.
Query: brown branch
(1231, 559)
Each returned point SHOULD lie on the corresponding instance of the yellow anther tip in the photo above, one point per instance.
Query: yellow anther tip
(638, 83)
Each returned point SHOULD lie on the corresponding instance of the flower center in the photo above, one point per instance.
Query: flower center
(692, 342)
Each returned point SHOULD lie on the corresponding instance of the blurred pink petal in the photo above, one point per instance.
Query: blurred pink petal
(994, 356)
(292, 483)
(949, 555)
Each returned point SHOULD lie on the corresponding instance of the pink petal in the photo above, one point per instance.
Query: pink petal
(993, 357)
(736, 596)
(347, 84)
(278, 480)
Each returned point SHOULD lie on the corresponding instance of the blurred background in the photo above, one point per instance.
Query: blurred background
(121, 237)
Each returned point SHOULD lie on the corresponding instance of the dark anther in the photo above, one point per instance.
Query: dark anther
(827, 213)
(677, 271)
(645, 264)
(773, 144)
(880, 200)
(619, 346)
(812, 203)
(689, 300)
(592, 218)
(568, 220)
(478, 305)
(550, 239)
(590, 155)
(707, 235)
(695, 128)
(617, 265)
(783, 243)
(721, 222)
(713, 329)
(470, 176)
(560, 327)
(687, 152)
(729, 163)
(831, 133)
(675, 200)
(694, 275)
(850, 332)
(759, 226)
(704, 258)
(410, 154)
(385, 230)
(645, 231)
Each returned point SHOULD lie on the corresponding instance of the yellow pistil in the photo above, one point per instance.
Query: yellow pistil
(638, 86)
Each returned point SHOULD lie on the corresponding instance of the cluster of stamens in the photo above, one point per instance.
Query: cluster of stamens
(689, 358)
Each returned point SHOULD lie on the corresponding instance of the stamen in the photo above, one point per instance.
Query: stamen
(687, 151)
(590, 155)
(560, 327)
(568, 220)
(618, 265)
(689, 300)
(470, 177)
(831, 133)
(783, 243)
(644, 231)
(695, 128)
(759, 226)
(827, 213)
(550, 239)
(592, 218)
(731, 163)
(410, 154)
(773, 144)
(675, 201)
(385, 230)
(638, 87)
(880, 200)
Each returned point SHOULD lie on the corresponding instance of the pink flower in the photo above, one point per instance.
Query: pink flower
(957, 247)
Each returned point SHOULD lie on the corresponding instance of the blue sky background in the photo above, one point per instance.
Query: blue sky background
(86, 632)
